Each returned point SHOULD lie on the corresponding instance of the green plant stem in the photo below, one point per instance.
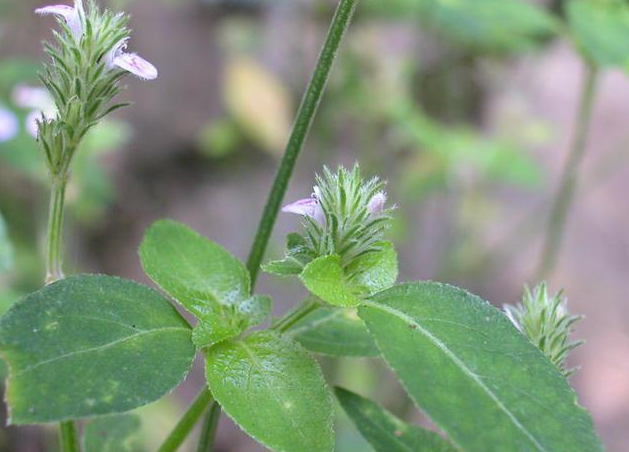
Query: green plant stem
(305, 116)
(306, 307)
(569, 178)
(54, 271)
(67, 437)
(187, 422)
(209, 428)
(303, 122)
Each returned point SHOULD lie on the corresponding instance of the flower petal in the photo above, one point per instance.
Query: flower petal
(377, 202)
(32, 126)
(30, 97)
(136, 65)
(306, 207)
(64, 11)
(8, 125)
(70, 14)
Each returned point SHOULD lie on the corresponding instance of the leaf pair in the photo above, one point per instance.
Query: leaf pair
(205, 279)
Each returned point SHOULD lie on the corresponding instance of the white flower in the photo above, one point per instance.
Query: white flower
(8, 125)
(39, 100)
(377, 202)
(130, 62)
(71, 15)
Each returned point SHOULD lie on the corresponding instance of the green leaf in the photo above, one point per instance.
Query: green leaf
(298, 255)
(6, 250)
(325, 278)
(209, 282)
(479, 379)
(112, 434)
(334, 332)
(374, 271)
(270, 386)
(385, 432)
(91, 345)
(600, 30)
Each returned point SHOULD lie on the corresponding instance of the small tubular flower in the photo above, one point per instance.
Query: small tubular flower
(130, 62)
(8, 125)
(71, 15)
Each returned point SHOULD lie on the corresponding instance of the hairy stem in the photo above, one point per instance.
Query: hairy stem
(209, 429)
(303, 121)
(54, 271)
(565, 195)
(187, 422)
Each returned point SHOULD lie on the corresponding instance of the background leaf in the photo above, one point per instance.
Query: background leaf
(385, 432)
(270, 386)
(600, 30)
(100, 344)
(112, 434)
(474, 374)
(334, 332)
(207, 280)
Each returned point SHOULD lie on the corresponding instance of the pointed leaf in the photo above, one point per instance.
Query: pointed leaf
(375, 271)
(270, 386)
(479, 379)
(112, 434)
(98, 344)
(334, 332)
(385, 432)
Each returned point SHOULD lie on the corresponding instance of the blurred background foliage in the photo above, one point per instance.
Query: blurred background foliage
(465, 106)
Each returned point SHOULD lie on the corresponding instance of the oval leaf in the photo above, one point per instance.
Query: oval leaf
(207, 280)
(99, 344)
(474, 374)
(375, 271)
(325, 278)
(270, 386)
(334, 332)
(385, 432)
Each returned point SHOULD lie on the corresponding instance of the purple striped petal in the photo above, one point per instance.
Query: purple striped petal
(137, 65)
(305, 207)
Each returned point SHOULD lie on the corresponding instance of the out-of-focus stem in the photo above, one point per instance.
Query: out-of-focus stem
(54, 271)
(209, 429)
(67, 437)
(305, 116)
(187, 422)
(565, 195)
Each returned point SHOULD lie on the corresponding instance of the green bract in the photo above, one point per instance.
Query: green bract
(208, 281)
(385, 432)
(91, 345)
(273, 389)
(468, 368)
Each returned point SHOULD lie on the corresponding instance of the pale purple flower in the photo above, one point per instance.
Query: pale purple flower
(130, 62)
(72, 16)
(8, 125)
(308, 207)
(39, 100)
(377, 202)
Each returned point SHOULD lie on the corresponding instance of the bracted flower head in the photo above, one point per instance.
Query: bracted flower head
(87, 62)
(345, 215)
(545, 321)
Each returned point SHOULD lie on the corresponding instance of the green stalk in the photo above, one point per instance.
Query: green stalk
(67, 437)
(303, 122)
(187, 422)
(565, 195)
(305, 116)
(209, 429)
(54, 271)
(301, 311)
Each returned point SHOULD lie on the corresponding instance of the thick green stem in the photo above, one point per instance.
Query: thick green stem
(208, 432)
(569, 178)
(54, 271)
(187, 422)
(67, 437)
(305, 116)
